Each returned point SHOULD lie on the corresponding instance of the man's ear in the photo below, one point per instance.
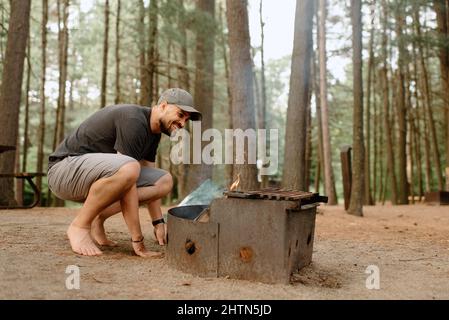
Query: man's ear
(163, 105)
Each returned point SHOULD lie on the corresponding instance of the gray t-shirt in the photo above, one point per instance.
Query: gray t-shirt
(122, 128)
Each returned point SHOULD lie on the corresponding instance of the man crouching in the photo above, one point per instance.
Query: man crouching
(108, 163)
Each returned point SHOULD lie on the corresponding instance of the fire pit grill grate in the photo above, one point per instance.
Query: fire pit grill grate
(277, 194)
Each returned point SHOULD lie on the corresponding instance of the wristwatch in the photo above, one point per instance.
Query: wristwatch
(156, 222)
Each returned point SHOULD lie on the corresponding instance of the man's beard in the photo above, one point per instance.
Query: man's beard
(164, 128)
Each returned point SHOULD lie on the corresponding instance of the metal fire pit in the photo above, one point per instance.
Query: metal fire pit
(263, 235)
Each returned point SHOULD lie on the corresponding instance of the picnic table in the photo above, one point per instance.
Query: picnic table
(6, 148)
(28, 176)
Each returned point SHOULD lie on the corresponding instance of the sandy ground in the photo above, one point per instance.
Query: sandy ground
(409, 245)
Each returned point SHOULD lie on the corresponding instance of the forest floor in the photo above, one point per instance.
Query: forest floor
(409, 245)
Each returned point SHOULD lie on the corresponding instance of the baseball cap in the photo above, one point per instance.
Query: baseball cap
(182, 99)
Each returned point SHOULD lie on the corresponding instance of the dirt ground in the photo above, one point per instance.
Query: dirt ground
(409, 245)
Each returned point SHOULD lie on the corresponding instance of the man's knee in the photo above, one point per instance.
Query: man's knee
(129, 172)
(165, 183)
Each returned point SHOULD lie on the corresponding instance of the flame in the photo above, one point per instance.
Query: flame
(235, 184)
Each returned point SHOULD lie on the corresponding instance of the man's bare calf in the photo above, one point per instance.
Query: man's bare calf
(104, 192)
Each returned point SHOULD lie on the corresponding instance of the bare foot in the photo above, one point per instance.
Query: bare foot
(99, 235)
(81, 241)
(139, 249)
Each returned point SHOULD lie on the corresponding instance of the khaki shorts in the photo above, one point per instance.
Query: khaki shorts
(71, 178)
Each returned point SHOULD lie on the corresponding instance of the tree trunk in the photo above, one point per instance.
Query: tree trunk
(316, 89)
(385, 185)
(447, 100)
(421, 114)
(117, 55)
(183, 71)
(169, 64)
(357, 190)
(309, 149)
(386, 104)
(317, 174)
(427, 104)
(155, 92)
(243, 110)
(427, 150)
(411, 147)
(442, 11)
(147, 99)
(376, 130)
(41, 135)
(400, 105)
(419, 136)
(50, 197)
(320, 162)
(411, 144)
(144, 94)
(63, 51)
(368, 200)
(204, 85)
(381, 142)
(2, 46)
(257, 94)
(63, 36)
(296, 130)
(18, 182)
(329, 181)
(184, 82)
(418, 158)
(10, 90)
(26, 136)
(417, 151)
(228, 168)
(411, 160)
(263, 106)
(104, 73)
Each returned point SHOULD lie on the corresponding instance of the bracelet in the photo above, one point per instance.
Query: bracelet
(156, 222)
(137, 240)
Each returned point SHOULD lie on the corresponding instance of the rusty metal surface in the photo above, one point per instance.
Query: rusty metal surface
(192, 246)
(255, 238)
(300, 237)
(244, 237)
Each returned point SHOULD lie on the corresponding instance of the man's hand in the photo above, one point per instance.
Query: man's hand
(160, 233)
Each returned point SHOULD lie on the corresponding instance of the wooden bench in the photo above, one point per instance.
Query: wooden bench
(28, 176)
